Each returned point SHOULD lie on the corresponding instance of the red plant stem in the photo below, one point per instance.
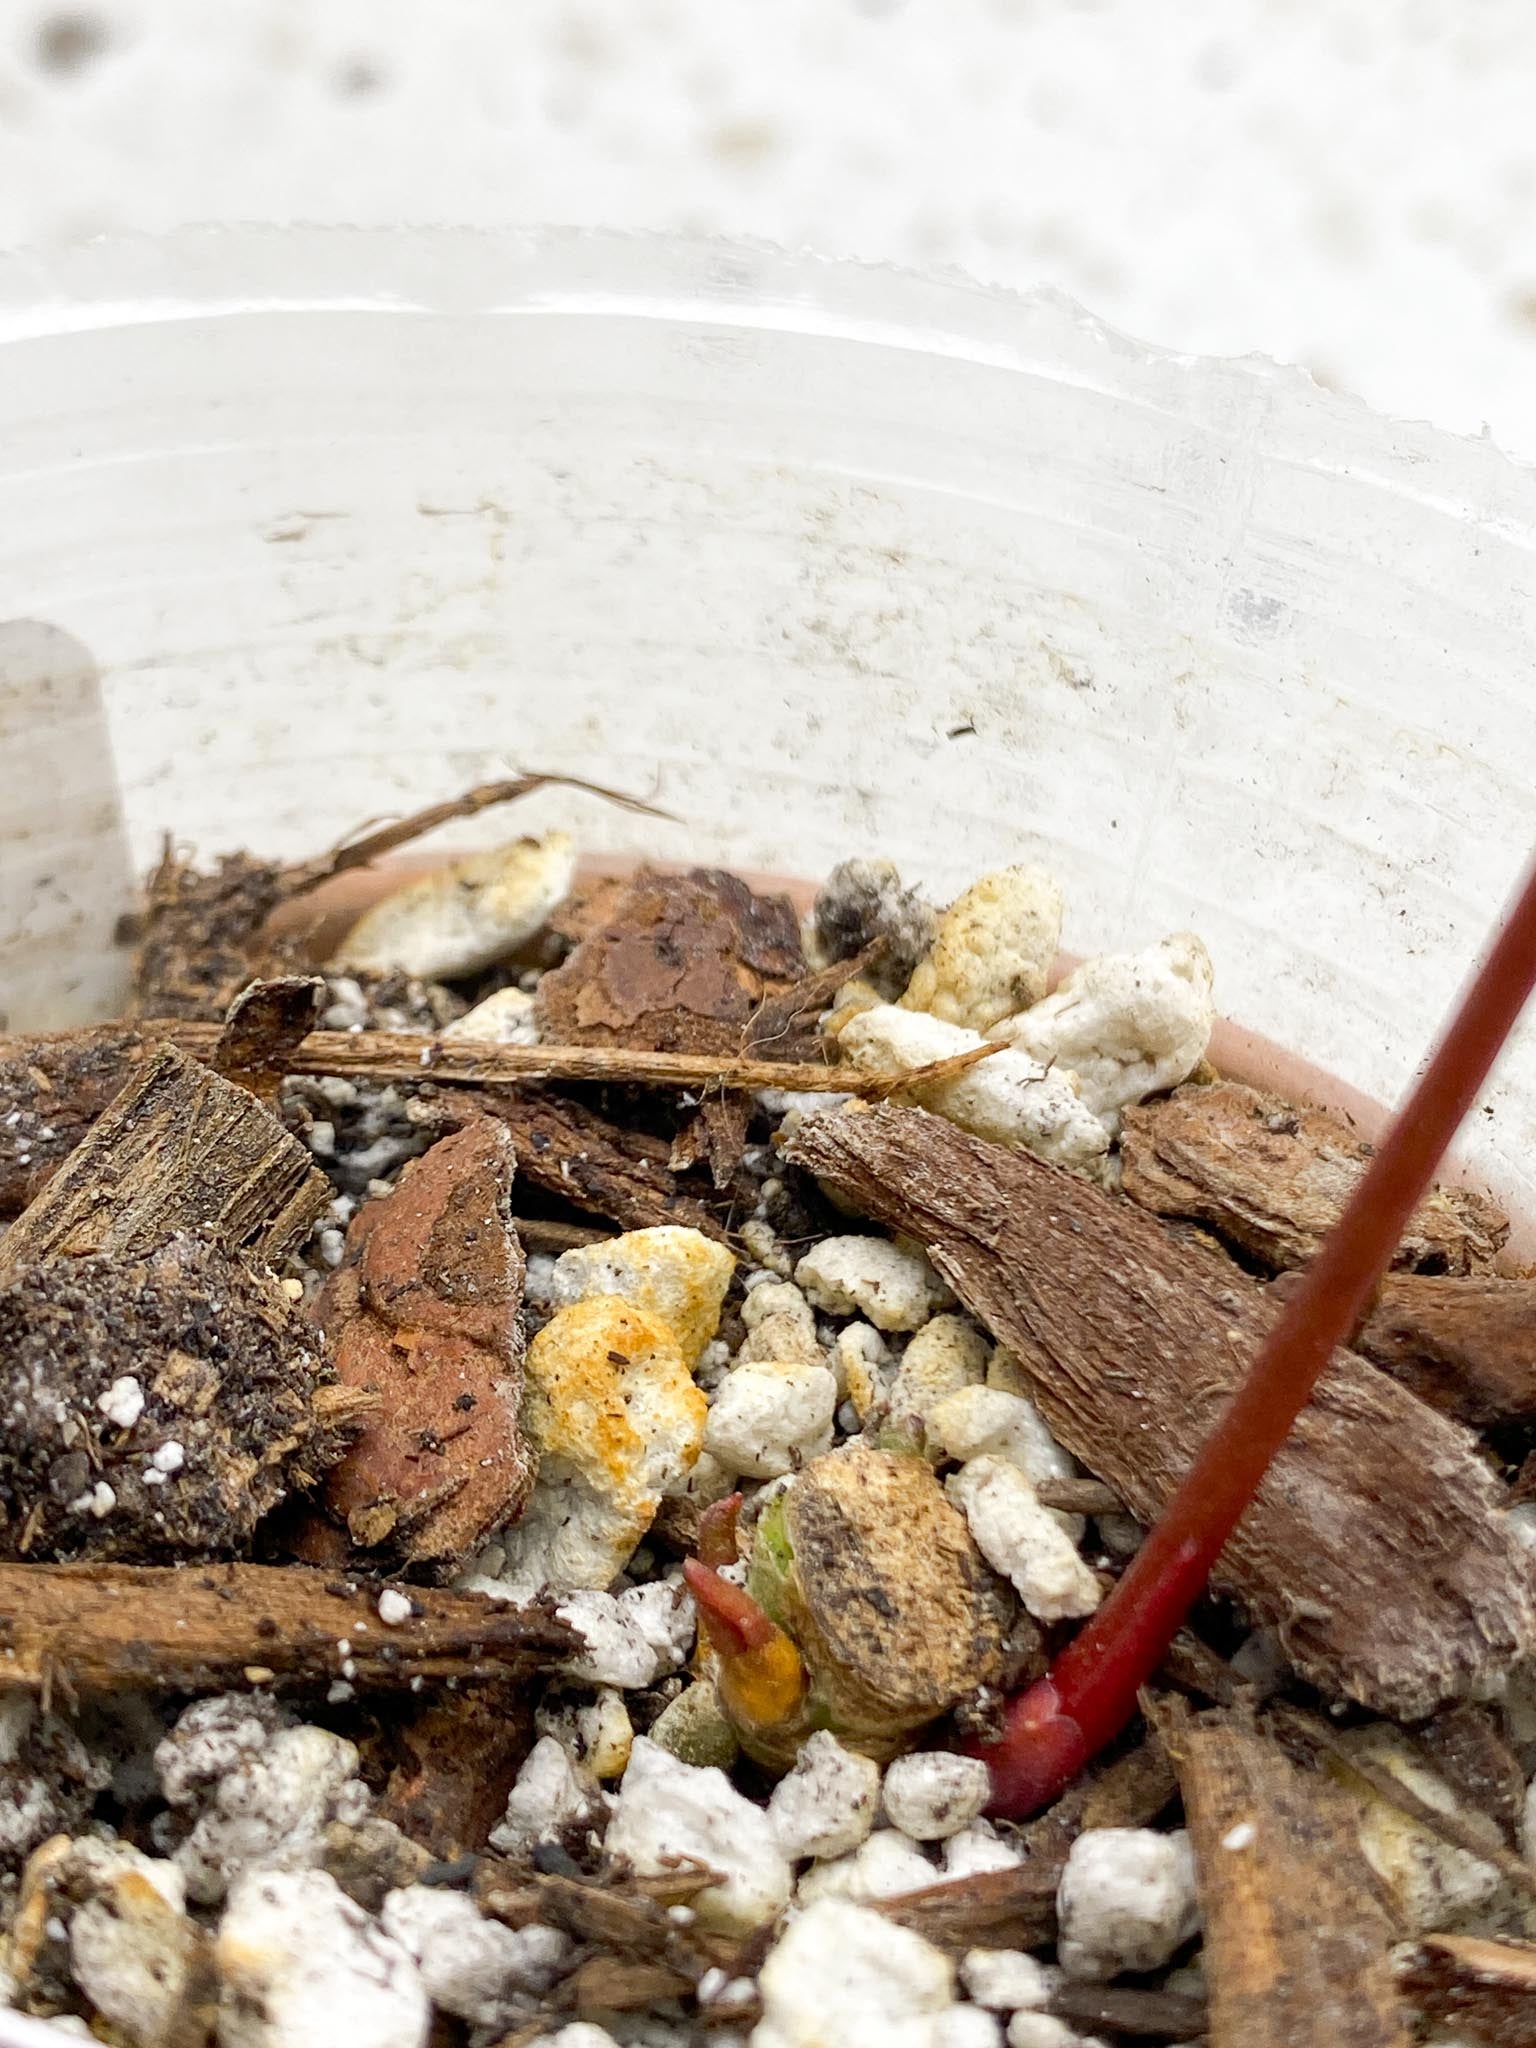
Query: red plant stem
(1056, 1725)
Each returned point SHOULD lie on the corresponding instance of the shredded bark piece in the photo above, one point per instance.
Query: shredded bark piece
(423, 1312)
(1465, 1746)
(1483, 1990)
(1124, 2009)
(994, 1909)
(265, 1022)
(1467, 1347)
(202, 935)
(123, 1628)
(1273, 1179)
(600, 1167)
(1375, 1545)
(1296, 1935)
(624, 1915)
(157, 1407)
(452, 1764)
(178, 1149)
(683, 965)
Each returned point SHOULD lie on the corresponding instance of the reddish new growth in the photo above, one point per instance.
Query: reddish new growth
(761, 1677)
(1062, 1720)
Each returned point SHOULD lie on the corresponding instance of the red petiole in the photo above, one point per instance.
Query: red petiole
(1060, 1722)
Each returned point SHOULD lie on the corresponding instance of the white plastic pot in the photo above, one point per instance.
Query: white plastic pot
(308, 527)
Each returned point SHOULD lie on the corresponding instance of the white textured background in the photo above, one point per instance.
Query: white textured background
(1348, 184)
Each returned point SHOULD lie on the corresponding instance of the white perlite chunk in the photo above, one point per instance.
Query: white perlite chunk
(1007, 1098)
(270, 1812)
(891, 1285)
(1127, 1024)
(881, 1868)
(1042, 2030)
(947, 1354)
(123, 1402)
(931, 1794)
(1023, 1540)
(994, 949)
(505, 1018)
(465, 916)
(617, 1421)
(676, 1274)
(595, 1732)
(552, 1795)
(668, 1809)
(779, 1324)
(471, 1966)
(211, 1738)
(826, 1805)
(965, 2026)
(394, 1607)
(770, 1418)
(131, 1945)
(1126, 1901)
(840, 1974)
(1005, 1978)
(632, 1638)
(977, 1848)
(580, 2034)
(984, 1422)
(298, 1963)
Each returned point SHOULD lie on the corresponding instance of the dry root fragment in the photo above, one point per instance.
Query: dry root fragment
(1273, 1180)
(464, 916)
(156, 1408)
(423, 1313)
(993, 952)
(202, 936)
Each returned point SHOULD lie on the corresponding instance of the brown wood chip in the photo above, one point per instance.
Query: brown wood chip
(178, 1149)
(1296, 1936)
(1273, 1179)
(424, 1312)
(994, 1909)
(1375, 1547)
(265, 1022)
(452, 1763)
(1484, 1991)
(683, 965)
(600, 1167)
(115, 1628)
(1467, 1347)
(1124, 2010)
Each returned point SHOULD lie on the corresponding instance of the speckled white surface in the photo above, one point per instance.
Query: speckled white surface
(1347, 184)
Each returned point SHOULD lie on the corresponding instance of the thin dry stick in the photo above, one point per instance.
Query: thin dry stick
(400, 1056)
(372, 845)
